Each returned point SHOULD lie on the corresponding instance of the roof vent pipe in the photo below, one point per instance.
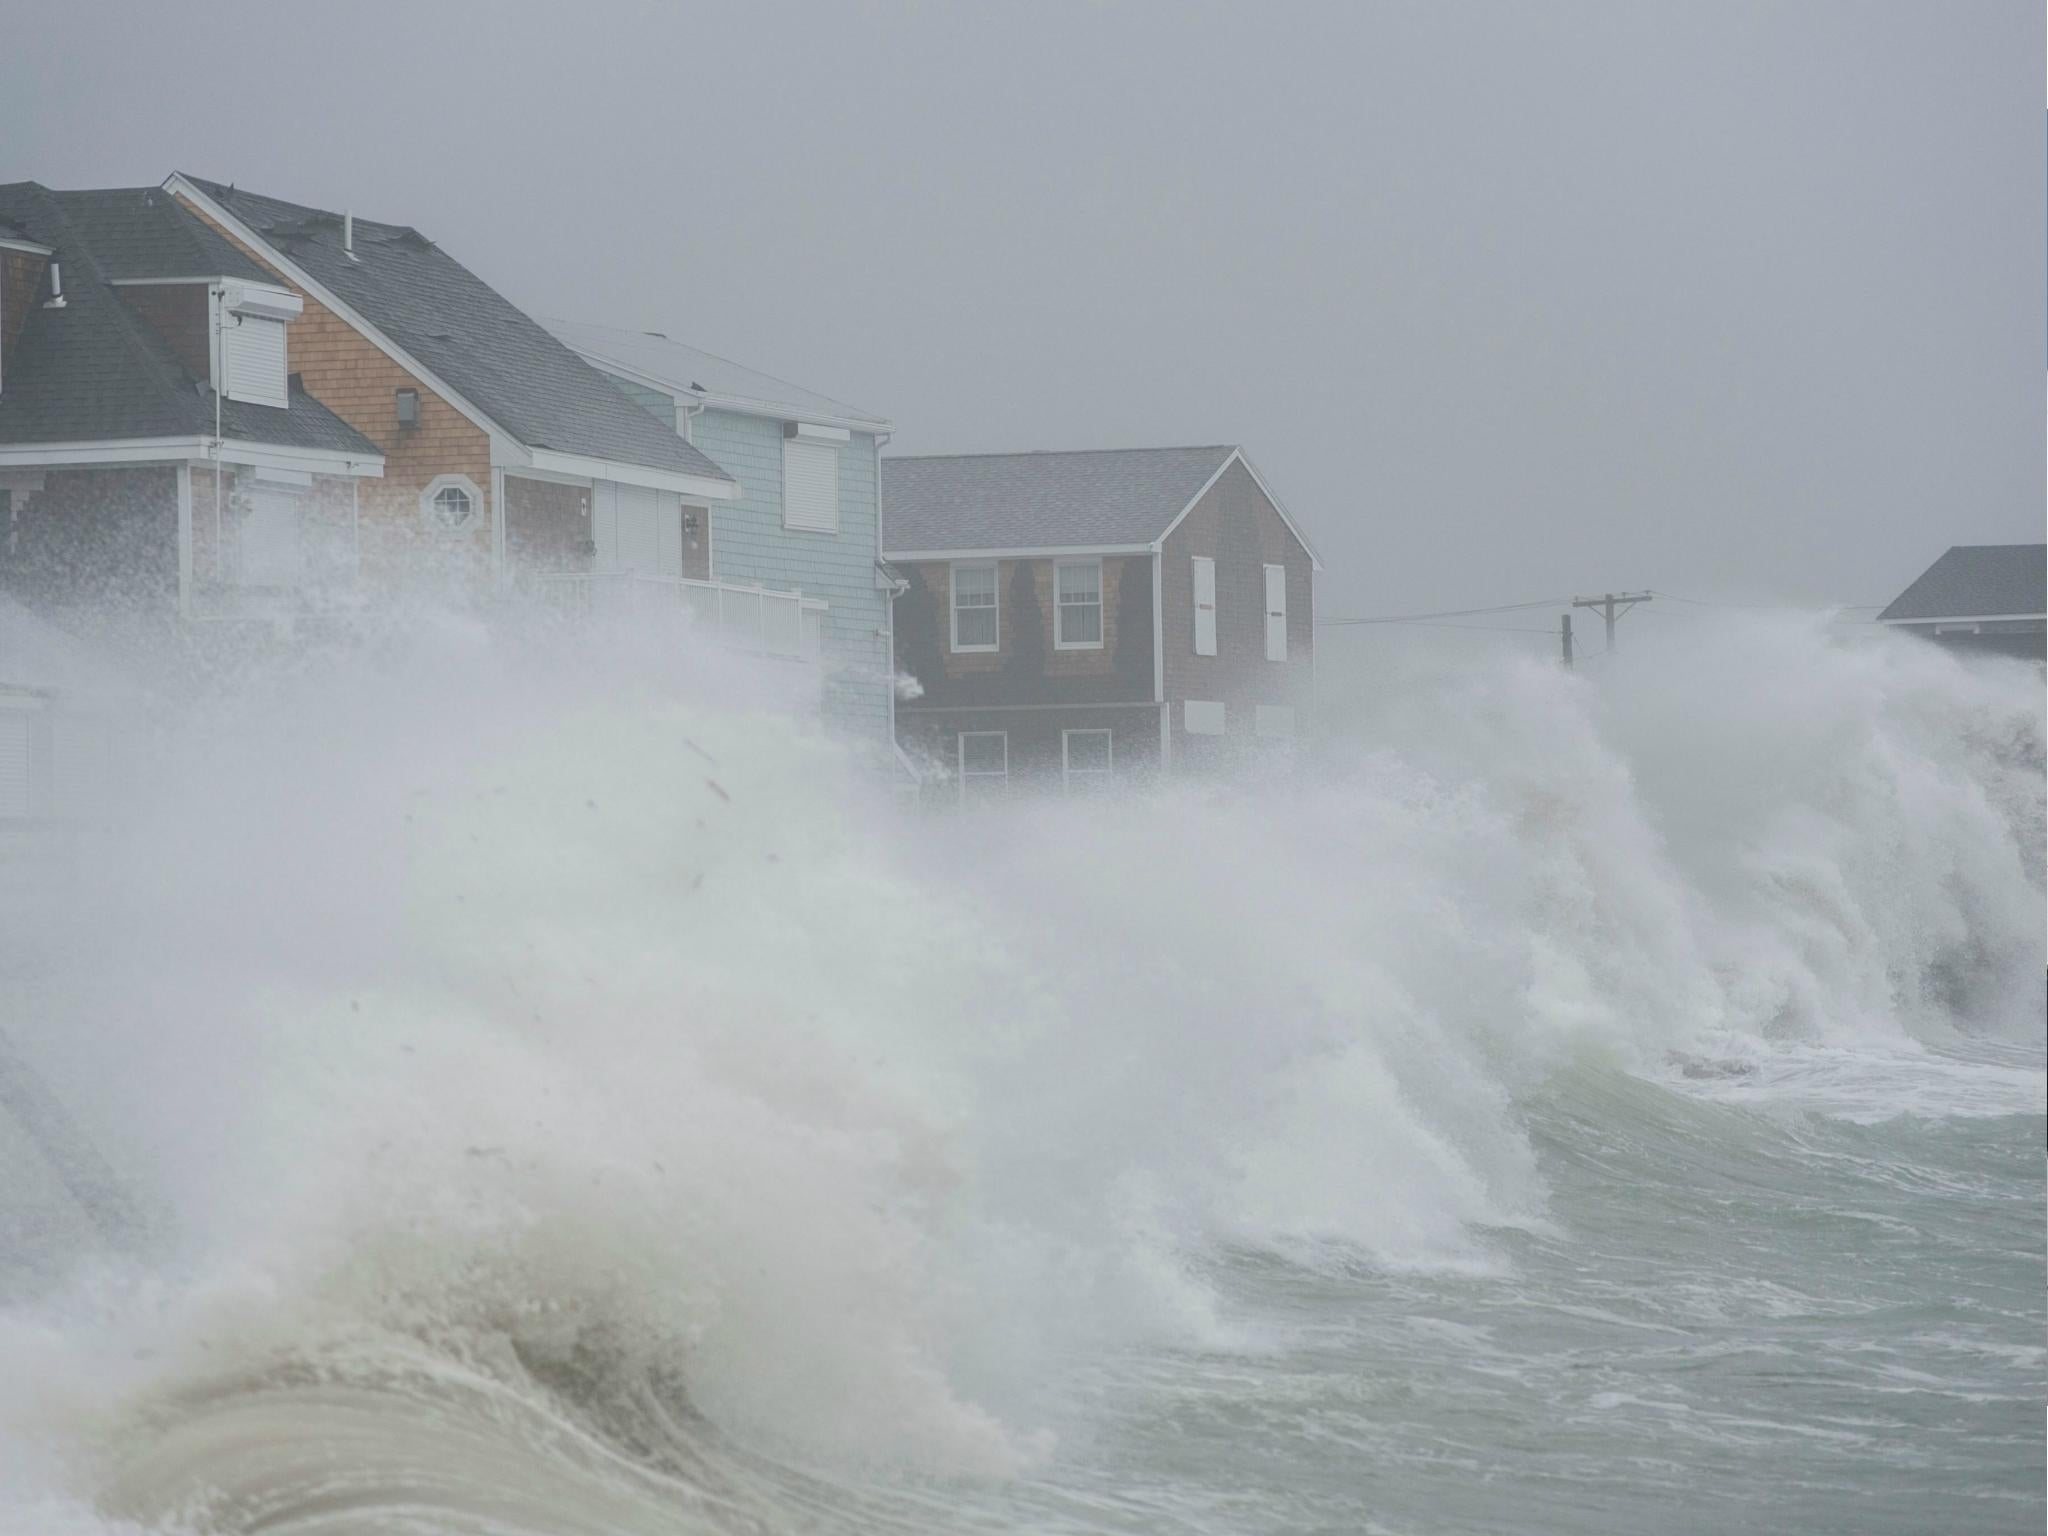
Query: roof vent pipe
(348, 236)
(56, 298)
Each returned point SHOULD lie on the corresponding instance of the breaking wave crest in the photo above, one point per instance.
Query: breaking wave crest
(576, 1108)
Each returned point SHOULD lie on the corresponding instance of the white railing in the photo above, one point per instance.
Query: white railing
(785, 624)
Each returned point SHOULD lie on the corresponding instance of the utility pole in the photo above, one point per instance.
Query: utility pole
(1606, 605)
(1567, 635)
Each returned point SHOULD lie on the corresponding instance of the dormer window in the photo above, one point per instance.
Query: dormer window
(252, 347)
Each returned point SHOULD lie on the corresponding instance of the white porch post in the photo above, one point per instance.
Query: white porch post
(500, 575)
(185, 541)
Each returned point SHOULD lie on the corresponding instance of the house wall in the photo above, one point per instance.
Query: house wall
(547, 526)
(179, 313)
(93, 536)
(1026, 667)
(1035, 740)
(342, 369)
(1235, 525)
(328, 528)
(749, 544)
(2023, 639)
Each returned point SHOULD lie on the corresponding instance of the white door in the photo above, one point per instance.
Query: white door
(636, 529)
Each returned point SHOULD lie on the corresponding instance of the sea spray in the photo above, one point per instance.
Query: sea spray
(565, 1073)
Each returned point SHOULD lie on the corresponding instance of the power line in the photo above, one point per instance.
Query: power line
(1448, 613)
(1702, 602)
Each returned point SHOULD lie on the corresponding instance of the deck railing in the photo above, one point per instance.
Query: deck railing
(747, 618)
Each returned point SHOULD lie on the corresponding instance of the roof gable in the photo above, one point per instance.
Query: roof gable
(1976, 581)
(1099, 498)
(495, 357)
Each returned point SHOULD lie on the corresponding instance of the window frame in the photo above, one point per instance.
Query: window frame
(1106, 773)
(994, 605)
(1197, 566)
(1101, 606)
(431, 492)
(960, 771)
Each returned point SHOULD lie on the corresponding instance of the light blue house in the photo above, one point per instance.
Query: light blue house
(808, 515)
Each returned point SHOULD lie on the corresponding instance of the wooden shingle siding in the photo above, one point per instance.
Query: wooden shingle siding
(342, 369)
(1236, 526)
(178, 313)
(96, 535)
(750, 544)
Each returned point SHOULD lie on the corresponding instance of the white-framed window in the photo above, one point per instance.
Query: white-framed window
(983, 759)
(1205, 605)
(810, 486)
(451, 504)
(1085, 759)
(1077, 605)
(1202, 717)
(1276, 613)
(977, 608)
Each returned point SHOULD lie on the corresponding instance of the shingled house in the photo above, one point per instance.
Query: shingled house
(505, 451)
(1980, 597)
(1073, 619)
(156, 449)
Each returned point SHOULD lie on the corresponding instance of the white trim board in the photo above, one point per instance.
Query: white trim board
(1972, 618)
(193, 450)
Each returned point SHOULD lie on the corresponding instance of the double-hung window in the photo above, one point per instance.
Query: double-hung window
(1084, 760)
(1077, 605)
(984, 762)
(976, 617)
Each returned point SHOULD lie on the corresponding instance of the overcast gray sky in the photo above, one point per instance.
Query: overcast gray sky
(1730, 299)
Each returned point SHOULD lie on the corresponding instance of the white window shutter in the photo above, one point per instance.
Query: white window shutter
(255, 359)
(1205, 606)
(810, 486)
(1276, 613)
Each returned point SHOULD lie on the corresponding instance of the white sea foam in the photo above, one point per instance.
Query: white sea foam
(606, 1073)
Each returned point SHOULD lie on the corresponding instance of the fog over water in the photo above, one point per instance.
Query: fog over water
(1578, 1102)
(1737, 299)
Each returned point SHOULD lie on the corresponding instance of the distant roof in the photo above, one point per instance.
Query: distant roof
(690, 371)
(95, 371)
(495, 356)
(1096, 497)
(1976, 581)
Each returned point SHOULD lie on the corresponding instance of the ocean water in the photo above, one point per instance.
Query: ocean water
(508, 1086)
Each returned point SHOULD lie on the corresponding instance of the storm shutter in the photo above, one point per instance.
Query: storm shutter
(255, 357)
(1276, 613)
(810, 486)
(1205, 606)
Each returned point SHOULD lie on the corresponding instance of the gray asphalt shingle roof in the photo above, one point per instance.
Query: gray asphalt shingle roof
(1110, 496)
(138, 232)
(1976, 581)
(491, 353)
(688, 371)
(95, 371)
